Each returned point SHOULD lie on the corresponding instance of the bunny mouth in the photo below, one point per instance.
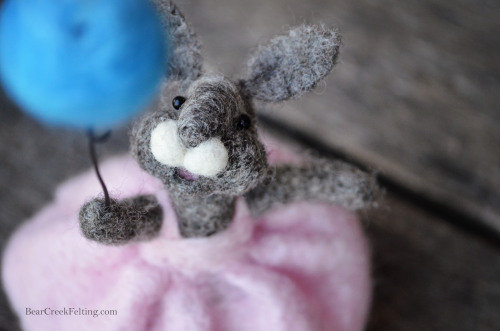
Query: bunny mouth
(186, 175)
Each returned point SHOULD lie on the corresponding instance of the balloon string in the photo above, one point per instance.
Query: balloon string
(93, 139)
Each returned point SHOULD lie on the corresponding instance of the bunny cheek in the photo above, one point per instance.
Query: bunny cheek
(207, 159)
(166, 145)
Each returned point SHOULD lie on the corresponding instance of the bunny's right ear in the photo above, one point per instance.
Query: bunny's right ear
(292, 64)
(185, 62)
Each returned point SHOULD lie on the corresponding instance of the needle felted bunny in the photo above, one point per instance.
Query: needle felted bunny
(202, 143)
(212, 229)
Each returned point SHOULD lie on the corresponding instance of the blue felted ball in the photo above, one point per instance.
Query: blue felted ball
(81, 63)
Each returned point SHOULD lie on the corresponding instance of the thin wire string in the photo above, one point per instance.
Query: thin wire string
(93, 140)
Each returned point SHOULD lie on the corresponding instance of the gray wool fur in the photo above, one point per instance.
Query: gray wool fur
(137, 219)
(220, 108)
(212, 105)
(247, 156)
(184, 62)
(319, 180)
(292, 64)
(202, 216)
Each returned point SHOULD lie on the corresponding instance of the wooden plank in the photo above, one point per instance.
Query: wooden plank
(414, 95)
(428, 275)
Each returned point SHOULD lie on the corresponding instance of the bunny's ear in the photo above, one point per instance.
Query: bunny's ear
(292, 64)
(185, 62)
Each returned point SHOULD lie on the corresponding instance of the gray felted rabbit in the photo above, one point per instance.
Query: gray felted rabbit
(285, 258)
(203, 144)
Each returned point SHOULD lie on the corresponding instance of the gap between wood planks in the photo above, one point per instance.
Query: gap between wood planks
(457, 218)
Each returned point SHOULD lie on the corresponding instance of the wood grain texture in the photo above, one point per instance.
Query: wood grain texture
(415, 94)
(429, 275)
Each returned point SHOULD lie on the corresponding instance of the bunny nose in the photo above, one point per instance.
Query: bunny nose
(196, 126)
(194, 133)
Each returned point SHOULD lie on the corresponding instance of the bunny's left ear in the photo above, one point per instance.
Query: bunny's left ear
(185, 61)
(292, 64)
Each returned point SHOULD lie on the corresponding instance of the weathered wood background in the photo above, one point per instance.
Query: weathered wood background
(414, 96)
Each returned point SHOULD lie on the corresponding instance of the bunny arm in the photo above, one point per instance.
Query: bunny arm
(134, 219)
(319, 180)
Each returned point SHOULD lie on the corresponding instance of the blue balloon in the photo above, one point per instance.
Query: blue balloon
(81, 63)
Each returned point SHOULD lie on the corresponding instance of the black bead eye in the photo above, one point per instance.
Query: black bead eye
(178, 101)
(244, 122)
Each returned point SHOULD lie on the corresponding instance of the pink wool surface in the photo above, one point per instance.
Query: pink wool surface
(300, 267)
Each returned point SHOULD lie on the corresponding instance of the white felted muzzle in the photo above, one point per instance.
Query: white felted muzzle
(207, 159)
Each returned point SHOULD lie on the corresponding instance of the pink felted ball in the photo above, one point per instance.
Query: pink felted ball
(303, 266)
